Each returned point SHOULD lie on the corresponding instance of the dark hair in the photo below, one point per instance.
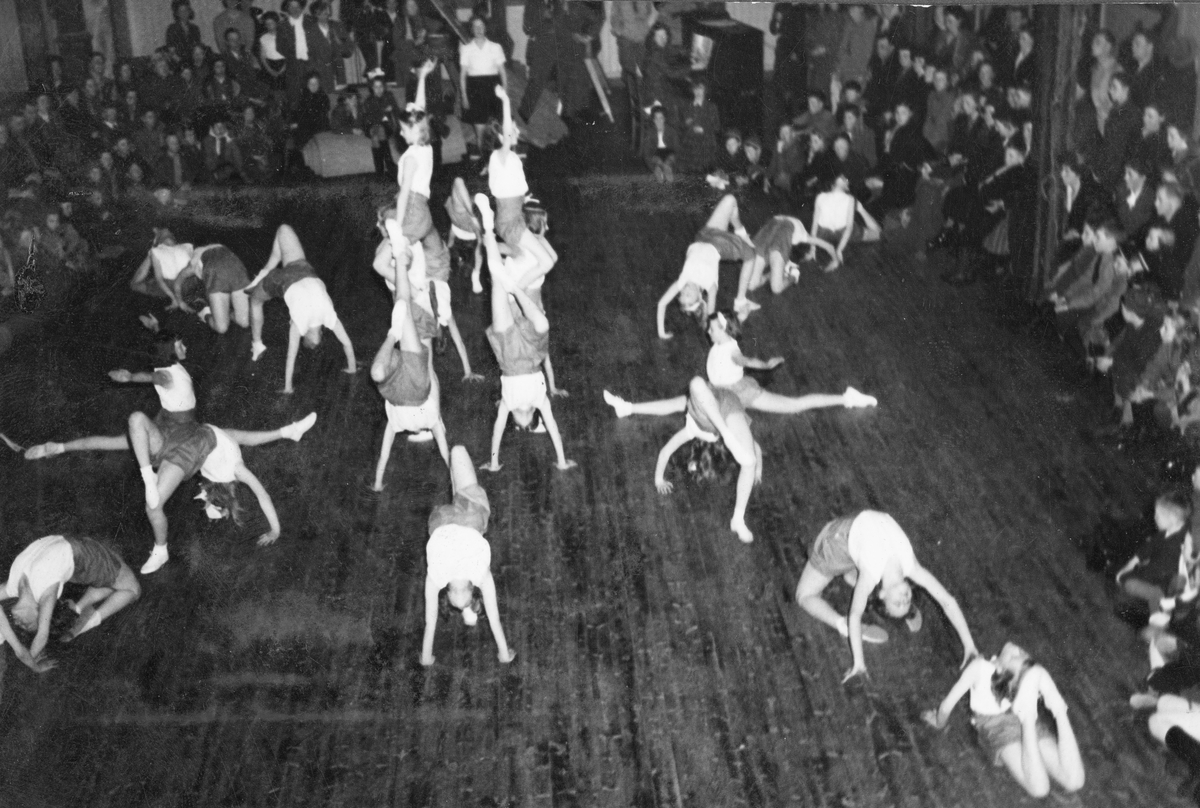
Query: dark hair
(1111, 226)
(224, 496)
(732, 327)
(1005, 682)
(708, 461)
(471, 24)
(164, 346)
(445, 610)
(535, 215)
(1074, 161)
(269, 15)
(852, 85)
(820, 96)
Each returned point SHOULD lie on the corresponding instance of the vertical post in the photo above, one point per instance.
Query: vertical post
(1054, 114)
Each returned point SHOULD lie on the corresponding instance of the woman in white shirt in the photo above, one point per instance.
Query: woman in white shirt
(481, 67)
(833, 220)
(162, 265)
(459, 559)
(272, 61)
(1004, 695)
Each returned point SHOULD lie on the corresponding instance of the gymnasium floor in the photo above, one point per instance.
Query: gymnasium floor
(660, 662)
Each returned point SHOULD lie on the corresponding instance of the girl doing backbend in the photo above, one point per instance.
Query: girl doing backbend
(696, 286)
(459, 559)
(1004, 695)
(773, 246)
(36, 579)
(465, 228)
(225, 280)
(403, 372)
(520, 337)
(288, 275)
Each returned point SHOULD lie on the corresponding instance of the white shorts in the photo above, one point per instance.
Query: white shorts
(415, 418)
(460, 234)
(310, 305)
(695, 432)
(523, 392)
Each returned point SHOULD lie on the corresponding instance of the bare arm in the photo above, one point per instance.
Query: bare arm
(938, 718)
(858, 605)
(755, 363)
(664, 457)
(502, 412)
(410, 169)
(244, 475)
(488, 589)
(45, 612)
(924, 579)
(664, 301)
(431, 617)
(555, 438)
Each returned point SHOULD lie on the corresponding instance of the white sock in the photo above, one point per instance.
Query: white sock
(296, 431)
(92, 622)
(158, 557)
(257, 349)
(151, 481)
(623, 408)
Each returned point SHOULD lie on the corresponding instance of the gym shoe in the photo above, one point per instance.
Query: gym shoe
(1143, 701)
(44, 450)
(874, 634)
(623, 408)
(257, 349)
(204, 313)
(158, 557)
(296, 431)
(424, 436)
(793, 272)
(853, 398)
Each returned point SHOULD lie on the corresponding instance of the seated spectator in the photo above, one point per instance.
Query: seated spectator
(182, 35)
(150, 138)
(1130, 353)
(905, 149)
(819, 170)
(91, 99)
(1184, 167)
(130, 110)
(731, 160)
(1151, 146)
(817, 118)
(909, 88)
(199, 63)
(755, 174)
(347, 118)
(1121, 128)
(193, 98)
(163, 90)
(787, 161)
(1080, 193)
(1135, 202)
(660, 146)
(221, 91)
(380, 116)
(852, 165)
(1171, 238)
(175, 168)
(1087, 292)
(862, 139)
(62, 244)
(241, 65)
(222, 157)
(312, 112)
(1152, 571)
(939, 111)
(1161, 387)
(698, 128)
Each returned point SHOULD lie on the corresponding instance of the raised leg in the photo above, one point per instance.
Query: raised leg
(385, 452)
(241, 308)
(218, 303)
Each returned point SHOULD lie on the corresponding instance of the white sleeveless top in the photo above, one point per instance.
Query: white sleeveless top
(457, 553)
(172, 259)
(983, 698)
(722, 370)
(180, 396)
(222, 461)
(506, 178)
(836, 207)
(702, 265)
(423, 156)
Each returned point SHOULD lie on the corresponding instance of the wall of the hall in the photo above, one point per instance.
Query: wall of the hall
(12, 52)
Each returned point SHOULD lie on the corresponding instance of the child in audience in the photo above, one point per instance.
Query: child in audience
(1150, 575)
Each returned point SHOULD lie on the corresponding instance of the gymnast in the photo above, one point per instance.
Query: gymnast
(773, 246)
(726, 369)
(711, 415)
(225, 280)
(506, 181)
(520, 338)
(1004, 695)
(458, 559)
(696, 286)
(389, 258)
(870, 550)
(403, 372)
(833, 220)
(36, 579)
(163, 264)
(288, 275)
(465, 228)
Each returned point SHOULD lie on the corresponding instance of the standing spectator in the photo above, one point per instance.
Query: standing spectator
(234, 16)
(1120, 132)
(956, 42)
(407, 35)
(312, 112)
(97, 19)
(328, 44)
(700, 124)
(222, 156)
(854, 47)
(1185, 163)
(788, 23)
(662, 67)
(291, 40)
(273, 63)
(939, 111)
(905, 149)
(1179, 87)
(1104, 67)
(880, 90)
(824, 35)
(380, 114)
(1151, 145)
(578, 38)
(182, 35)
(481, 69)
(541, 55)
(163, 90)
(1024, 64)
(494, 16)
(1146, 73)
(861, 139)
(241, 64)
(630, 24)
(1170, 239)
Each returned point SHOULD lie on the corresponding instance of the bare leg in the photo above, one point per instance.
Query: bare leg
(439, 435)
(725, 214)
(140, 276)
(385, 452)
(773, 402)
(144, 438)
(808, 597)
(168, 480)
(286, 248)
(666, 406)
(126, 590)
(218, 304)
(292, 431)
(256, 326)
(461, 347)
(293, 350)
(735, 431)
(241, 308)
(339, 331)
(462, 470)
